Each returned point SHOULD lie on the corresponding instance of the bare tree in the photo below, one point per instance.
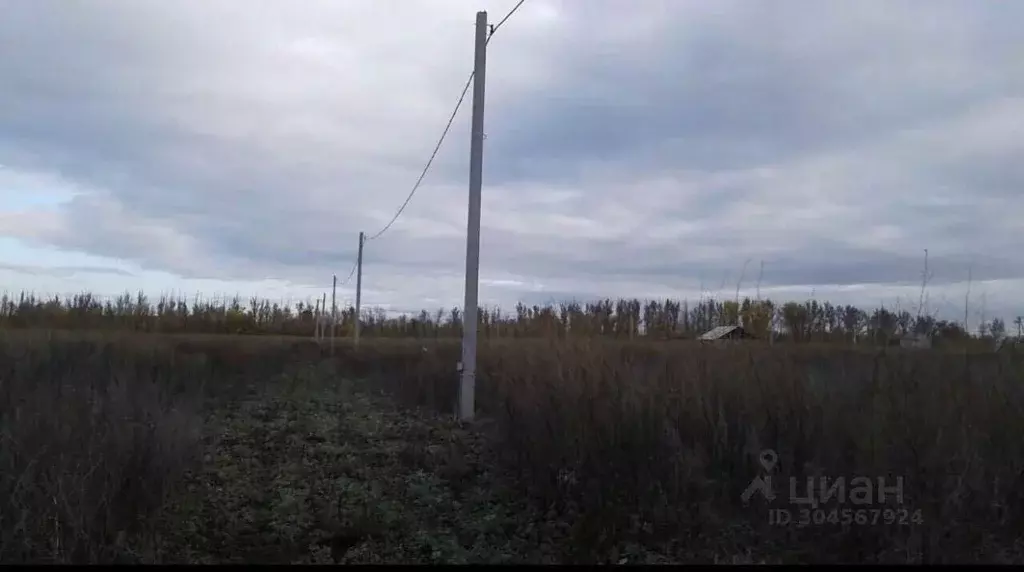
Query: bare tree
(984, 309)
(760, 275)
(967, 298)
(739, 282)
(925, 277)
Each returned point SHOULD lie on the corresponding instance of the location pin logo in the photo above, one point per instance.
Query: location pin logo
(768, 459)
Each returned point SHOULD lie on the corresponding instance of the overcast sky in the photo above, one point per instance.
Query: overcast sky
(644, 148)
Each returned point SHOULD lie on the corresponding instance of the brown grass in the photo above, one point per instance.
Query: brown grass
(662, 438)
(632, 444)
(94, 430)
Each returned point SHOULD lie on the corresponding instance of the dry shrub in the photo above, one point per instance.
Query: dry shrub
(95, 429)
(655, 442)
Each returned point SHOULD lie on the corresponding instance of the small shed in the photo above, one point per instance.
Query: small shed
(725, 333)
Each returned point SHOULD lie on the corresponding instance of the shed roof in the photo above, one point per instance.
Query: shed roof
(719, 332)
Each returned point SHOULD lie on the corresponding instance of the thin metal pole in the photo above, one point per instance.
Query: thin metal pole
(359, 290)
(467, 385)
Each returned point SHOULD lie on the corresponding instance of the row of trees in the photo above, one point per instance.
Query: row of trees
(626, 319)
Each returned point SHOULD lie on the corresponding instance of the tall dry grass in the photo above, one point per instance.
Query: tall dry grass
(95, 430)
(649, 443)
(656, 442)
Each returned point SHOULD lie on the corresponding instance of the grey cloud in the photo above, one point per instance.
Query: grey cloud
(763, 84)
(63, 271)
(659, 146)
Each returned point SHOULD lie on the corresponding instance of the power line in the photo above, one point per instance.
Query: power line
(447, 128)
(430, 161)
(350, 273)
(495, 27)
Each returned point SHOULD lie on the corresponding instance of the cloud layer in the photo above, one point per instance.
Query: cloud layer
(645, 150)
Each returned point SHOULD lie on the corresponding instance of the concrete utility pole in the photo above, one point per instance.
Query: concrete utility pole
(334, 309)
(321, 318)
(359, 291)
(316, 321)
(467, 385)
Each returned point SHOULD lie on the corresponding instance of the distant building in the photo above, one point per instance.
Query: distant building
(725, 333)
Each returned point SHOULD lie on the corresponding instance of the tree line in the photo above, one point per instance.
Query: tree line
(809, 321)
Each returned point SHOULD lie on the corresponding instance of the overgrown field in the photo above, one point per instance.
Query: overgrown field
(173, 449)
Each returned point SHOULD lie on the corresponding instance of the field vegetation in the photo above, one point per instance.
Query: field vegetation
(808, 322)
(602, 437)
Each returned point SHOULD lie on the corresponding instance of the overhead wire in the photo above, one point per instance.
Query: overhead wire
(433, 155)
(447, 128)
(495, 27)
(350, 273)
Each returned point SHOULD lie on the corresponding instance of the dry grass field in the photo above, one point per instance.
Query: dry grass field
(188, 449)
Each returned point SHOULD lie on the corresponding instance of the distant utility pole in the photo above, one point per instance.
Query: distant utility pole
(359, 291)
(321, 318)
(334, 309)
(467, 385)
(316, 321)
